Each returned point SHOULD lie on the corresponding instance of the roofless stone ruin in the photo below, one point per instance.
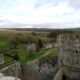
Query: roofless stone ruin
(68, 56)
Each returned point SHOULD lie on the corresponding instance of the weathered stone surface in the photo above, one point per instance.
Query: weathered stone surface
(69, 55)
(3, 77)
(30, 71)
(40, 69)
(1, 59)
(12, 70)
(31, 49)
(35, 70)
(59, 75)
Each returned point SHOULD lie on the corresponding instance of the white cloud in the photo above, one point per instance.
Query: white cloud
(24, 11)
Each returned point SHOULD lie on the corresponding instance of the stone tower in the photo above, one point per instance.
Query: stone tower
(69, 56)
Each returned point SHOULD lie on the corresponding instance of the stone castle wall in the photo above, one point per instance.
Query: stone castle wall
(69, 51)
(69, 54)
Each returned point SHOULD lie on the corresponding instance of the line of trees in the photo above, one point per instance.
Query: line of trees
(33, 37)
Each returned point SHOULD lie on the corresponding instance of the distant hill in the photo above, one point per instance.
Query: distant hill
(42, 29)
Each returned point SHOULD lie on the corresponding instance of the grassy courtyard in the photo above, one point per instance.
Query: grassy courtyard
(5, 48)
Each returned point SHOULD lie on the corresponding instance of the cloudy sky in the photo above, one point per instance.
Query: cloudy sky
(45, 13)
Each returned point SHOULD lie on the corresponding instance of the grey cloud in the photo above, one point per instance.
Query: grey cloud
(51, 2)
(7, 3)
(2, 1)
(75, 24)
(10, 24)
(74, 4)
(14, 25)
(2, 21)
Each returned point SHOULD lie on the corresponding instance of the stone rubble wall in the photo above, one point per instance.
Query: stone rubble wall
(33, 70)
(3, 77)
(59, 75)
(40, 69)
(12, 70)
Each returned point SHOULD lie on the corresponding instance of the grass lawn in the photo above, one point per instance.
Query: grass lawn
(3, 45)
(25, 58)
(21, 51)
(7, 61)
(37, 55)
(53, 53)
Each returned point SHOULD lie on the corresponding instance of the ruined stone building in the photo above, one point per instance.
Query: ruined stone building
(68, 56)
(68, 48)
